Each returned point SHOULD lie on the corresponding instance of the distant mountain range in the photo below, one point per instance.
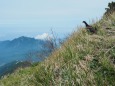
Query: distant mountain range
(19, 48)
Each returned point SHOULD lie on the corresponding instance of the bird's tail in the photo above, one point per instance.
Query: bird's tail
(95, 28)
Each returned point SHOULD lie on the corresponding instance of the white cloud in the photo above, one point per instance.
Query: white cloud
(44, 36)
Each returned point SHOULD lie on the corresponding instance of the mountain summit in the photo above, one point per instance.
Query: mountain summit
(17, 48)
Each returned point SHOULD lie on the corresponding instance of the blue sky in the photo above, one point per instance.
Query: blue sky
(33, 17)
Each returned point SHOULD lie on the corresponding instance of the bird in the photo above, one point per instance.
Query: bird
(90, 28)
(108, 28)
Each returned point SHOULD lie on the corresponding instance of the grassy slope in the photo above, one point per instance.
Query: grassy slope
(83, 60)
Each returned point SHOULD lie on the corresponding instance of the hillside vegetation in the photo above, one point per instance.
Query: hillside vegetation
(84, 59)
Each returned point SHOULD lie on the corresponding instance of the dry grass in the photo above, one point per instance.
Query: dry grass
(82, 60)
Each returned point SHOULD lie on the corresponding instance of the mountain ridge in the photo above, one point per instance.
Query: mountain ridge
(84, 59)
(19, 47)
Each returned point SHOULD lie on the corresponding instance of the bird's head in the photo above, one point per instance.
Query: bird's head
(84, 21)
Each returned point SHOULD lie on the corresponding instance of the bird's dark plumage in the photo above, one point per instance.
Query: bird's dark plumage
(90, 28)
(108, 28)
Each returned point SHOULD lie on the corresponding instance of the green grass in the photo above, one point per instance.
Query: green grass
(82, 60)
